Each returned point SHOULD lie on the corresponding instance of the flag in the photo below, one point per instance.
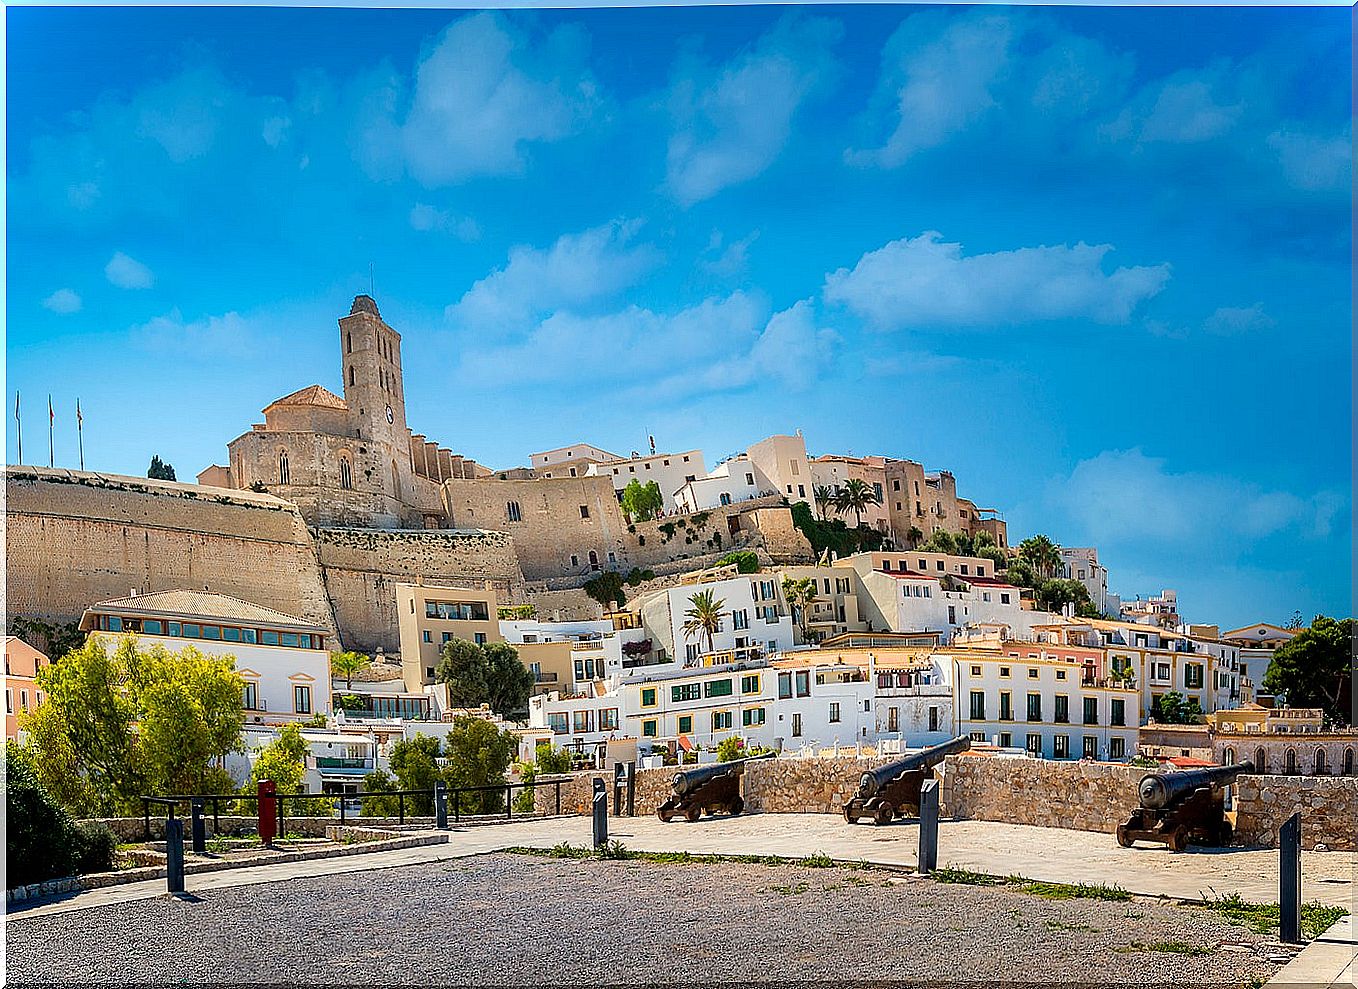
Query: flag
(79, 419)
(80, 432)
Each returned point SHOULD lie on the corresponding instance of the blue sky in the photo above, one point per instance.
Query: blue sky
(1094, 261)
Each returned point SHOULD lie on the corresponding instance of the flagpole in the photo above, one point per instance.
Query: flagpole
(19, 425)
(80, 432)
(51, 427)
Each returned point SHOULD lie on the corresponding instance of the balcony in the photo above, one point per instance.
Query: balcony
(336, 764)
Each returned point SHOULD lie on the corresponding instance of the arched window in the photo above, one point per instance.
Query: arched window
(1260, 760)
(593, 560)
(351, 374)
(512, 512)
(1348, 762)
(395, 481)
(349, 343)
(1291, 763)
(1230, 756)
(283, 476)
(1320, 763)
(346, 472)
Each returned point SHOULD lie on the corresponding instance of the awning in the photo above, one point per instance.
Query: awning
(686, 743)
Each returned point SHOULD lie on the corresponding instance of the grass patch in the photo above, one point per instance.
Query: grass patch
(1264, 918)
(1070, 891)
(965, 877)
(792, 889)
(1166, 947)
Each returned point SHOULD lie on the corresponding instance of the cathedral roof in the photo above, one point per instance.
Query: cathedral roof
(312, 395)
(183, 604)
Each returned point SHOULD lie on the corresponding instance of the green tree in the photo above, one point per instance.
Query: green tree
(284, 761)
(913, 536)
(942, 541)
(856, 496)
(415, 763)
(1313, 668)
(1053, 595)
(824, 497)
(704, 618)
(478, 754)
(53, 639)
(160, 471)
(642, 502)
(117, 724)
(509, 683)
(1296, 622)
(464, 668)
(995, 555)
(553, 760)
(1043, 555)
(1020, 573)
(40, 836)
(800, 593)
(346, 664)
(746, 561)
(377, 784)
(1174, 708)
(606, 588)
(834, 536)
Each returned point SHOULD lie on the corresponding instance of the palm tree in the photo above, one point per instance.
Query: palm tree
(346, 664)
(800, 594)
(856, 496)
(914, 536)
(1043, 555)
(704, 618)
(824, 496)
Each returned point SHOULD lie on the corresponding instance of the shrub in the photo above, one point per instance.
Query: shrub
(96, 847)
(41, 841)
(553, 760)
(745, 561)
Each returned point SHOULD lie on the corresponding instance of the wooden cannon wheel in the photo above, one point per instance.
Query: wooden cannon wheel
(1123, 840)
(665, 815)
(736, 806)
(883, 813)
(1178, 839)
(692, 814)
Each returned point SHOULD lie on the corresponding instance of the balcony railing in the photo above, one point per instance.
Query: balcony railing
(337, 762)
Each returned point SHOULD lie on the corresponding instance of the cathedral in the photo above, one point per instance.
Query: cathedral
(349, 461)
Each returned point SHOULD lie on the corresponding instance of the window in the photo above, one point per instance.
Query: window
(749, 480)
(933, 719)
(803, 683)
(593, 560)
(784, 686)
(192, 631)
(685, 692)
(648, 697)
(740, 619)
(512, 512)
(9, 702)
(1062, 713)
(1035, 744)
(283, 476)
(1091, 712)
(580, 722)
(1004, 671)
(749, 684)
(1117, 712)
(1348, 762)
(1004, 597)
(575, 560)
(649, 728)
(584, 511)
(1260, 760)
(796, 725)
(975, 671)
(834, 711)
(428, 636)
(717, 688)
(1193, 676)
(1290, 763)
(1091, 747)
(1006, 706)
(752, 716)
(152, 627)
(1060, 674)
(301, 699)
(1320, 769)
(1117, 747)
(1034, 707)
(721, 720)
(1061, 747)
(289, 639)
(229, 634)
(893, 719)
(685, 724)
(725, 498)
(978, 705)
(1032, 673)
(346, 473)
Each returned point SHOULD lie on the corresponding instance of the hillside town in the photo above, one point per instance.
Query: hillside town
(656, 609)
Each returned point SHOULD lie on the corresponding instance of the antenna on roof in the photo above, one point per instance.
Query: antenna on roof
(372, 282)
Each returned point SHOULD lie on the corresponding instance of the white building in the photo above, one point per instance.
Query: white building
(568, 461)
(282, 659)
(754, 622)
(732, 481)
(781, 462)
(670, 471)
(1082, 563)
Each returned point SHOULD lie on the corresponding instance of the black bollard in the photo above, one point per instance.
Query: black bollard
(928, 826)
(631, 789)
(440, 805)
(199, 827)
(617, 790)
(1289, 879)
(174, 855)
(600, 813)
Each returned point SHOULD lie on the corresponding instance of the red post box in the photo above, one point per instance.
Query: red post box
(268, 812)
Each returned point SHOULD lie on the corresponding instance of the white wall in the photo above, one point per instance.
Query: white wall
(669, 470)
(743, 596)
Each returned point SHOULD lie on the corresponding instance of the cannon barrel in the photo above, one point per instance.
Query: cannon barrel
(690, 779)
(1159, 790)
(874, 779)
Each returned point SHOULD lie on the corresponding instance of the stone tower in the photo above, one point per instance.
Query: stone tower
(375, 392)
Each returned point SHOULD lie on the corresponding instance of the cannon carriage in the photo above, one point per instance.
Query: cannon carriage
(1182, 807)
(893, 790)
(713, 788)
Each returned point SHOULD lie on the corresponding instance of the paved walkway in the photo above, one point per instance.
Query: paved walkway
(1331, 960)
(1051, 854)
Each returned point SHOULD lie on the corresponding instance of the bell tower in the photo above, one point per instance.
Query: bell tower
(374, 390)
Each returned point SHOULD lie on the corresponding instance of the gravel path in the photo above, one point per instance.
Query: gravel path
(508, 919)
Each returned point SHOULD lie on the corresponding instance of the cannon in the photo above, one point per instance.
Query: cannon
(892, 790)
(1179, 807)
(714, 788)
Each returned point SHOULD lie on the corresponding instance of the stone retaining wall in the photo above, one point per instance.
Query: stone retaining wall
(1328, 805)
(130, 829)
(1083, 796)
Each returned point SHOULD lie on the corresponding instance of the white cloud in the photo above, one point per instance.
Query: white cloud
(480, 93)
(1312, 162)
(275, 130)
(924, 281)
(730, 125)
(577, 270)
(1188, 107)
(183, 114)
(1123, 497)
(1230, 320)
(63, 301)
(935, 83)
(213, 336)
(424, 217)
(126, 272)
(728, 260)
